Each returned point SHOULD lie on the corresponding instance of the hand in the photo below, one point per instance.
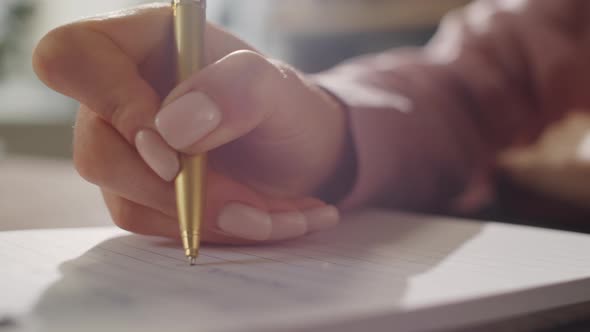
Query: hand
(274, 138)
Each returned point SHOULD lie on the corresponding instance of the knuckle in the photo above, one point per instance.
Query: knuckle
(252, 62)
(247, 58)
(269, 76)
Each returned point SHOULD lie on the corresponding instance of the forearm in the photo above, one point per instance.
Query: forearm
(427, 124)
(413, 145)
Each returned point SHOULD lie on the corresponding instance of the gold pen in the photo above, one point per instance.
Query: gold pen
(189, 35)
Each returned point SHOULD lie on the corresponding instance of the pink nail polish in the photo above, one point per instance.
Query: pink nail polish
(245, 222)
(157, 154)
(288, 225)
(187, 120)
(322, 218)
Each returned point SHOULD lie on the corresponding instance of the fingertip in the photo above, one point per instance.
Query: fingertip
(322, 218)
(221, 103)
(288, 225)
(162, 159)
(238, 224)
(245, 222)
(187, 120)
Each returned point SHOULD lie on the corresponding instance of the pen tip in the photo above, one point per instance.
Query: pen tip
(192, 260)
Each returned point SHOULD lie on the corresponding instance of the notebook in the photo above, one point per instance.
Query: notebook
(378, 271)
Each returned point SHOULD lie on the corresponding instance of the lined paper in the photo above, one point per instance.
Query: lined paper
(408, 272)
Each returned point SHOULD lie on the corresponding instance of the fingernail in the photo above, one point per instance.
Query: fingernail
(287, 225)
(188, 119)
(245, 222)
(157, 154)
(322, 218)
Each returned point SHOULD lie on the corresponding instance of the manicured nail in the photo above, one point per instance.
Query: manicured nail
(322, 218)
(245, 222)
(287, 225)
(157, 154)
(188, 119)
(583, 152)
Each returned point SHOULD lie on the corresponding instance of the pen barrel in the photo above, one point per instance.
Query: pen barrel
(189, 34)
(190, 196)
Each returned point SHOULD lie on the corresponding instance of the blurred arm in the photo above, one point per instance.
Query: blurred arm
(427, 124)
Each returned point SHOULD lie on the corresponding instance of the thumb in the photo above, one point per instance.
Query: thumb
(235, 96)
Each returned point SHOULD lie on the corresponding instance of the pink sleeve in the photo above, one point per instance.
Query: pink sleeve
(427, 124)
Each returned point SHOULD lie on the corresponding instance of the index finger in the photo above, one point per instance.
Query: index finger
(120, 65)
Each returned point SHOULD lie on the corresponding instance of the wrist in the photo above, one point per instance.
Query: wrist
(342, 167)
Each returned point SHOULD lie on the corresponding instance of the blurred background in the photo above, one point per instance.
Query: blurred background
(311, 34)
